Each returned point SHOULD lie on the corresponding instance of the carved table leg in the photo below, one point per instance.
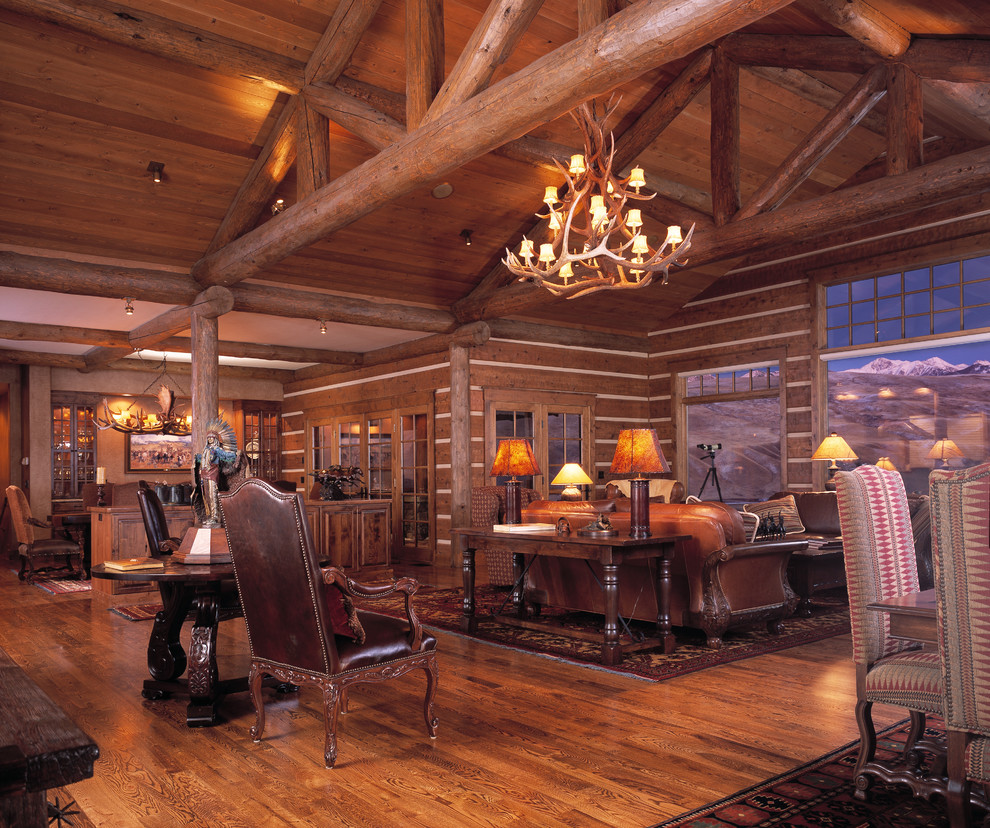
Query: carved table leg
(611, 648)
(166, 658)
(204, 679)
(518, 566)
(469, 623)
(664, 632)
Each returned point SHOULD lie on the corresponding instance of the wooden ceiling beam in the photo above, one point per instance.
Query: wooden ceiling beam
(489, 46)
(832, 129)
(281, 353)
(312, 150)
(646, 34)
(905, 119)
(871, 27)
(278, 375)
(725, 159)
(355, 115)
(350, 21)
(131, 27)
(424, 57)
(34, 332)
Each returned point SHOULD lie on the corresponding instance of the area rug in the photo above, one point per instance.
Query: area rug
(62, 586)
(442, 609)
(138, 612)
(821, 793)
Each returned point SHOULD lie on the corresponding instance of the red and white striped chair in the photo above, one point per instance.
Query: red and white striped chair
(960, 504)
(880, 563)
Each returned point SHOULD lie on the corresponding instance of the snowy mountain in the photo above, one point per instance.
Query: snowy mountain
(932, 367)
(981, 366)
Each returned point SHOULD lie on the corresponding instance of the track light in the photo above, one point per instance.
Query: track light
(323, 326)
(278, 206)
(128, 307)
(466, 235)
(157, 170)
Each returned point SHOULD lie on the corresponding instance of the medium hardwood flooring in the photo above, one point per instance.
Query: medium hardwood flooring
(523, 740)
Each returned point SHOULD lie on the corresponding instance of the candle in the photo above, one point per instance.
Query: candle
(101, 475)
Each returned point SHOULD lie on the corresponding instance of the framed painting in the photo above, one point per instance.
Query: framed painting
(158, 452)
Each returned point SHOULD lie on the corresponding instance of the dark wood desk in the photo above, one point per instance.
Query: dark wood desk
(185, 587)
(611, 553)
(912, 617)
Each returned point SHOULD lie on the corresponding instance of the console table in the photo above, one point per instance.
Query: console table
(611, 553)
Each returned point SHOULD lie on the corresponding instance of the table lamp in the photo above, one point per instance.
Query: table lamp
(886, 463)
(942, 451)
(638, 453)
(514, 457)
(571, 475)
(833, 448)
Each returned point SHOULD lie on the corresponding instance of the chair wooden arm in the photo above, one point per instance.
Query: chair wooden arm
(169, 545)
(356, 589)
(41, 524)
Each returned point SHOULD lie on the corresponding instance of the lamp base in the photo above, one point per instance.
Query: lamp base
(571, 493)
(639, 508)
(513, 501)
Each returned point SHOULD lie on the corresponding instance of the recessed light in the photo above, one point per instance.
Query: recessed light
(442, 190)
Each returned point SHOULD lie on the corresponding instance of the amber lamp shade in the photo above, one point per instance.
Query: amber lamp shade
(571, 475)
(886, 463)
(638, 455)
(514, 457)
(944, 449)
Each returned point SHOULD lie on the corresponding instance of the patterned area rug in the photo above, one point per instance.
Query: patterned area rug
(821, 793)
(62, 586)
(442, 608)
(138, 612)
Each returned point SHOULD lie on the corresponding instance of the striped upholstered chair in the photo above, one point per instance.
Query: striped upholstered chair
(880, 564)
(960, 502)
(487, 509)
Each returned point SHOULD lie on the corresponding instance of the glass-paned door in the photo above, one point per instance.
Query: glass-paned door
(262, 444)
(322, 446)
(73, 450)
(414, 473)
(380, 458)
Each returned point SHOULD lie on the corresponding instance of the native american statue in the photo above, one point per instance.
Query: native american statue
(217, 467)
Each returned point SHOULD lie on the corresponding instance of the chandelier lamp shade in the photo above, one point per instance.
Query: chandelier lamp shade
(594, 237)
(514, 459)
(131, 420)
(638, 456)
(571, 475)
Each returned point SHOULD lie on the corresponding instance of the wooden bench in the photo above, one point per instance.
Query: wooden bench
(40, 748)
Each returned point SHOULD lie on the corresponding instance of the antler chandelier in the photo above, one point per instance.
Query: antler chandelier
(129, 421)
(595, 242)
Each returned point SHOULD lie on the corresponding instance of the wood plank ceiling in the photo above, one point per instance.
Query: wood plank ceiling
(771, 125)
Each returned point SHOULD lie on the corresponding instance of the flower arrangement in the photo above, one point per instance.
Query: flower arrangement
(331, 479)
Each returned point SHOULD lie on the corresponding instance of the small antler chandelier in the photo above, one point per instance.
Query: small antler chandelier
(610, 252)
(169, 421)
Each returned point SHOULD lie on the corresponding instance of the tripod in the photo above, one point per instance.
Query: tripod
(712, 475)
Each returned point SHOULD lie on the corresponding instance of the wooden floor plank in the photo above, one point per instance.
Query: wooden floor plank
(523, 740)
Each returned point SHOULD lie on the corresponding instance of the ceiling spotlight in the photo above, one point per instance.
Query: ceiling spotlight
(278, 206)
(128, 307)
(323, 326)
(157, 170)
(466, 235)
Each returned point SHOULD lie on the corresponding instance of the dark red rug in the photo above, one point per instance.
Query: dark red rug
(821, 794)
(442, 609)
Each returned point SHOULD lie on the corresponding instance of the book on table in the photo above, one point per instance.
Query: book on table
(127, 564)
(524, 527)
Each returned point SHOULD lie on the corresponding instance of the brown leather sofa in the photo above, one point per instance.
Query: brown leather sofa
(719, 580)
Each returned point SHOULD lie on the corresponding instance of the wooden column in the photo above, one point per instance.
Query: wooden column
(205, 375)
(460, 442)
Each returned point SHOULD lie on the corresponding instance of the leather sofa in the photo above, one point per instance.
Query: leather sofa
(719, 580)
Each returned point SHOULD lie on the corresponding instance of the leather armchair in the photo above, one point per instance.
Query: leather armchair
(40, 557)
(155, 522)
(719, 579)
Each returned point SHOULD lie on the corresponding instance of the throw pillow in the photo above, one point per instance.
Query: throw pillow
(343, 617)
(785, 508)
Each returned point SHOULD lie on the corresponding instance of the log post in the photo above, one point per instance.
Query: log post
(460, 441)
(204, 328)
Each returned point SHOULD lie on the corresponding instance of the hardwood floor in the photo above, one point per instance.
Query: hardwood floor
(523, 740)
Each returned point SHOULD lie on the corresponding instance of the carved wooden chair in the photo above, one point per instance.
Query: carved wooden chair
(301, 624)
(880, 564)
(41, 557)
(960, 510)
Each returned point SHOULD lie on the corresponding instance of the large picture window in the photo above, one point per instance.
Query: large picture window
(737, 410)
(899, 404)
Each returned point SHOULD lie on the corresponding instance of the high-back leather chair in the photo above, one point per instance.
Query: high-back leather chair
(41, 557)
(300, 621)
(960, 500)
(155, 522)
(879, 560)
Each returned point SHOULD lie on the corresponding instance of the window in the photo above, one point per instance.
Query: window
(259, 425)
(559, 430)
(941, 299)
(898, 403)
(73, 449)
(737, 410)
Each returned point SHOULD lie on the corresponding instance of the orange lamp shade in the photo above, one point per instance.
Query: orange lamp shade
(638, 452)
(514, 457)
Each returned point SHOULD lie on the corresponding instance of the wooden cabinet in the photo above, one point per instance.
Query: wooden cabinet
(118, 532)
(355, 535)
